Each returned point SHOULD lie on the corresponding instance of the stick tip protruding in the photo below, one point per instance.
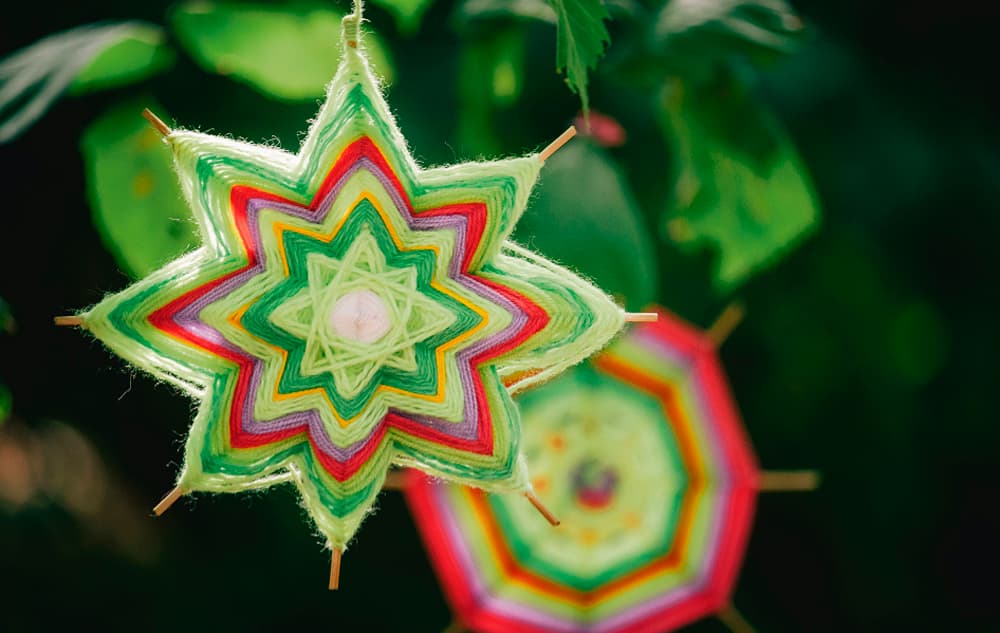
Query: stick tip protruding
(545, 512)
(335, 555)
(641, 317)
(351, 24)
(789, 480)
(734, 620)
(554, 146)
(68, 321)
(725, 323)
(156, 122)
(397, 479)
(168, 500)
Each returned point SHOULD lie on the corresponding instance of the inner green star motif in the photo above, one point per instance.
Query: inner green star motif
(359, 259)
(411, 317)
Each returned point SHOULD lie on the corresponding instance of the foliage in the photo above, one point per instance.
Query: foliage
(618, 252)
(491, 77)
(138, 52)
(580, 40)
(286, 53)
(740, 184)
(82, 59)
(690, 29)
(407, 13)
(6, 403)
(133, 191)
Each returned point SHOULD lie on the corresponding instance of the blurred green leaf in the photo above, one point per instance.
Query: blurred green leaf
(139, 52)
(584, 216)
(581, 35)
(491, 76)
(580, 40)
(287, 53)
(532, 9)
(6, 403)
(740, 184)
(82, 59)
(133, 191)
(407, 13)
(695, 33)
(917, 342)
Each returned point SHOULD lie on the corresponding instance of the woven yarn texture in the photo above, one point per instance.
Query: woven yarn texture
(348, 311)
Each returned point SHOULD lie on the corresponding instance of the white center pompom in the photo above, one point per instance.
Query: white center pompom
(361, 316)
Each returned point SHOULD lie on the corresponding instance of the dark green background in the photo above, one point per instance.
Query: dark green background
(869, 353)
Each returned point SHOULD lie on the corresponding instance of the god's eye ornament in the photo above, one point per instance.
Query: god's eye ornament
(348, 311)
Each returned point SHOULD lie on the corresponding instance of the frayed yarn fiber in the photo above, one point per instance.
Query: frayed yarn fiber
(349, 311)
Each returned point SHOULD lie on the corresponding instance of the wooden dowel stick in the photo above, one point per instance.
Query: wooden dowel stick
(641, 317)
(168, 501)
(561, 140)
(788, 480)
(724, 325)
(68, 321)
(454, 627)
(734, 620)
(335, 569)
(535, 501)
(156, 122)
(395, 480)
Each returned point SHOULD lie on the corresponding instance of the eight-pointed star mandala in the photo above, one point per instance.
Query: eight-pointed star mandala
(348, 311)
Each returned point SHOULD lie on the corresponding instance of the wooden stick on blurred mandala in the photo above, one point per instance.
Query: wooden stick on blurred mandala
(395, 479)
(455, 627)
(788, 480)
(533, 498)
(770, 480)
(734, 620)
(725, 323)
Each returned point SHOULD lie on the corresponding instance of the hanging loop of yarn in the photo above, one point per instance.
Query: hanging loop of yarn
(351, 25)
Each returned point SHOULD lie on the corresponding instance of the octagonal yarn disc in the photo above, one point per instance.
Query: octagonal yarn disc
(643, 457)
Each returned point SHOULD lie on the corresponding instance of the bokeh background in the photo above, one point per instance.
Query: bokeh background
(868, 351)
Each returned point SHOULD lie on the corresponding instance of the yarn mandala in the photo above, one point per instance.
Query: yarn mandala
(348, 311)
